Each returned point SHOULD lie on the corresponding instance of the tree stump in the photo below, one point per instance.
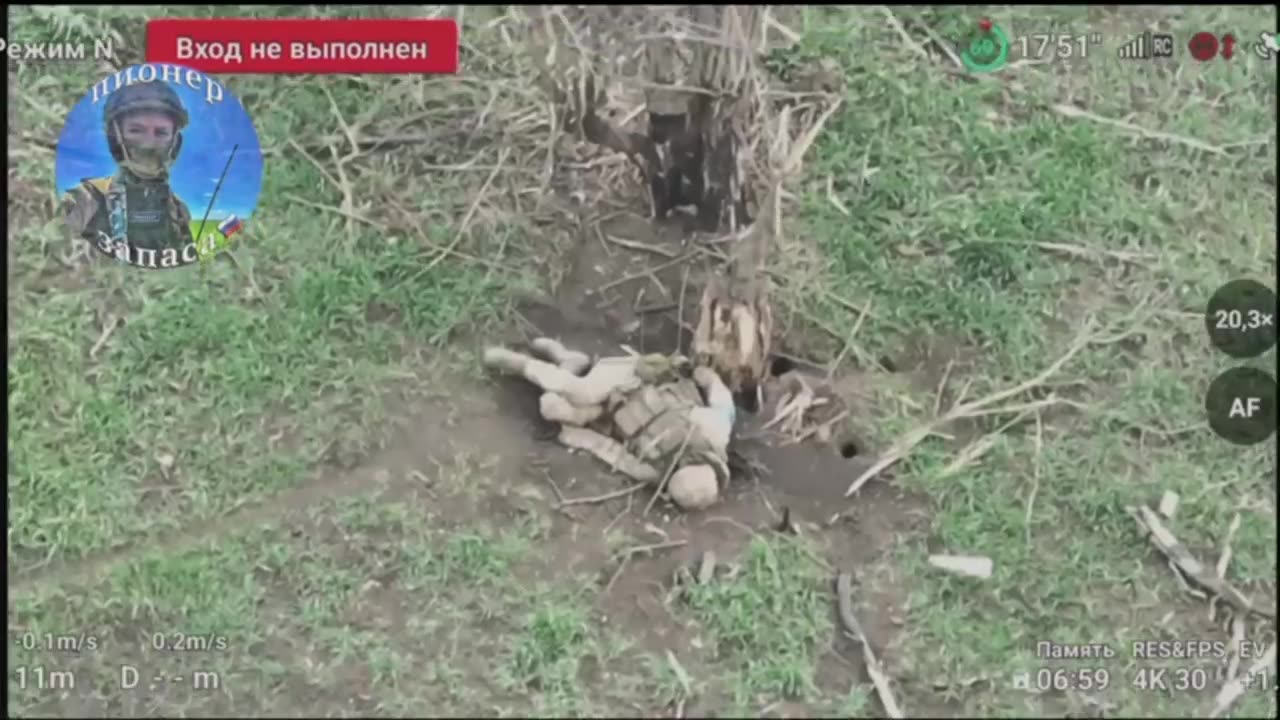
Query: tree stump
(702, 113)
(735, 324)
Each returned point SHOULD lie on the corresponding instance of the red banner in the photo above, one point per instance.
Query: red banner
(305, 46)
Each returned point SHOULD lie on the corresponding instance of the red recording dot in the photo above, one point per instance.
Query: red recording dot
(985, 24)
(1203, 46)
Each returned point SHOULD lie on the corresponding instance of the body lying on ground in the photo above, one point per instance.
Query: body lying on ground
(636, 412)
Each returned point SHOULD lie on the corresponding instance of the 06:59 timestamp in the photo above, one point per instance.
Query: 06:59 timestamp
(1063, 679)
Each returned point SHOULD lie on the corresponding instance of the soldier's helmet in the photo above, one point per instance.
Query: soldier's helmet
(155, 96)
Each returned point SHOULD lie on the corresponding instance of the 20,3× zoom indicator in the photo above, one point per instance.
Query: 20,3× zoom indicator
(1241, 319)
(1236, 320)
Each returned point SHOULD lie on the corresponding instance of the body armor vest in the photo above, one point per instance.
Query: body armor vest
(143, 212)
(653, 423)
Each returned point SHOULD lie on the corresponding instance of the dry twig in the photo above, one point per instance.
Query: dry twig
(644, 273)
(844, 602)
(630, 552)
(1187, 567)
(671, 468)
(684, 286)
(984, 406)
(1077, 113)
(639, 246)
(822, 429)
(625, 492)
(1035, 486)
(849, 343)
(1225, 558)
(113, 321)
(466, 219)
(902, 33)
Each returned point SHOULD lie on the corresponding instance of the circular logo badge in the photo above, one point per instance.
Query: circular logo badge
(988, 50)
(158, 166)
(1241, 319)
(1241, 404)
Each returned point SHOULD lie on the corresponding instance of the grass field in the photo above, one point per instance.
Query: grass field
(283, 487)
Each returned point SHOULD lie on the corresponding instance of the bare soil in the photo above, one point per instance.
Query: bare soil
(629, 281)
(497, 422)
(591, 311)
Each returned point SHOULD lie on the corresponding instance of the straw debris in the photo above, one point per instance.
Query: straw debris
(715, 140)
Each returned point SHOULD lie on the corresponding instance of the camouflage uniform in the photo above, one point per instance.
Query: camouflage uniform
(128, 207)
(85, 208)
(653, 423)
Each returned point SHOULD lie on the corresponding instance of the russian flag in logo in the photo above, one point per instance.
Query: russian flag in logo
(230, 226)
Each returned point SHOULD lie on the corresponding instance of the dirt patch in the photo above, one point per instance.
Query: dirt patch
(480, 455)
(593, 311)
(624, 284)
(926, 358)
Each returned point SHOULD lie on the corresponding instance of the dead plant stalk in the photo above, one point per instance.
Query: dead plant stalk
(981, 407)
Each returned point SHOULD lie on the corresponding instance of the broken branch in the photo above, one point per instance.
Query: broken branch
(627, 554)
(671, 468)
(974, 408)
(1194, 571)
(603, 498)
(844, 603)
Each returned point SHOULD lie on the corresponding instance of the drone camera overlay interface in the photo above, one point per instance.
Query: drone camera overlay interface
(642, 361)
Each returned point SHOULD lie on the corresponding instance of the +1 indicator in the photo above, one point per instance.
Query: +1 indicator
(988, 51)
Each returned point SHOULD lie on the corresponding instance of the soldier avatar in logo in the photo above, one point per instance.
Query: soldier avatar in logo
(136, 208)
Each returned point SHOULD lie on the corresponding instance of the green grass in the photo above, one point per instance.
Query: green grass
(330, 350)
(966, 181)
(768, 624)
(306, 587)
(198, 374)
(234, 365)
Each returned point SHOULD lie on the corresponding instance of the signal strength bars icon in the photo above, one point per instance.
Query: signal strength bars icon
(1146, 46)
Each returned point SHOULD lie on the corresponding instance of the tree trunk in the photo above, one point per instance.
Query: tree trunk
(698, 132)
(695, 154)
(735, 324)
